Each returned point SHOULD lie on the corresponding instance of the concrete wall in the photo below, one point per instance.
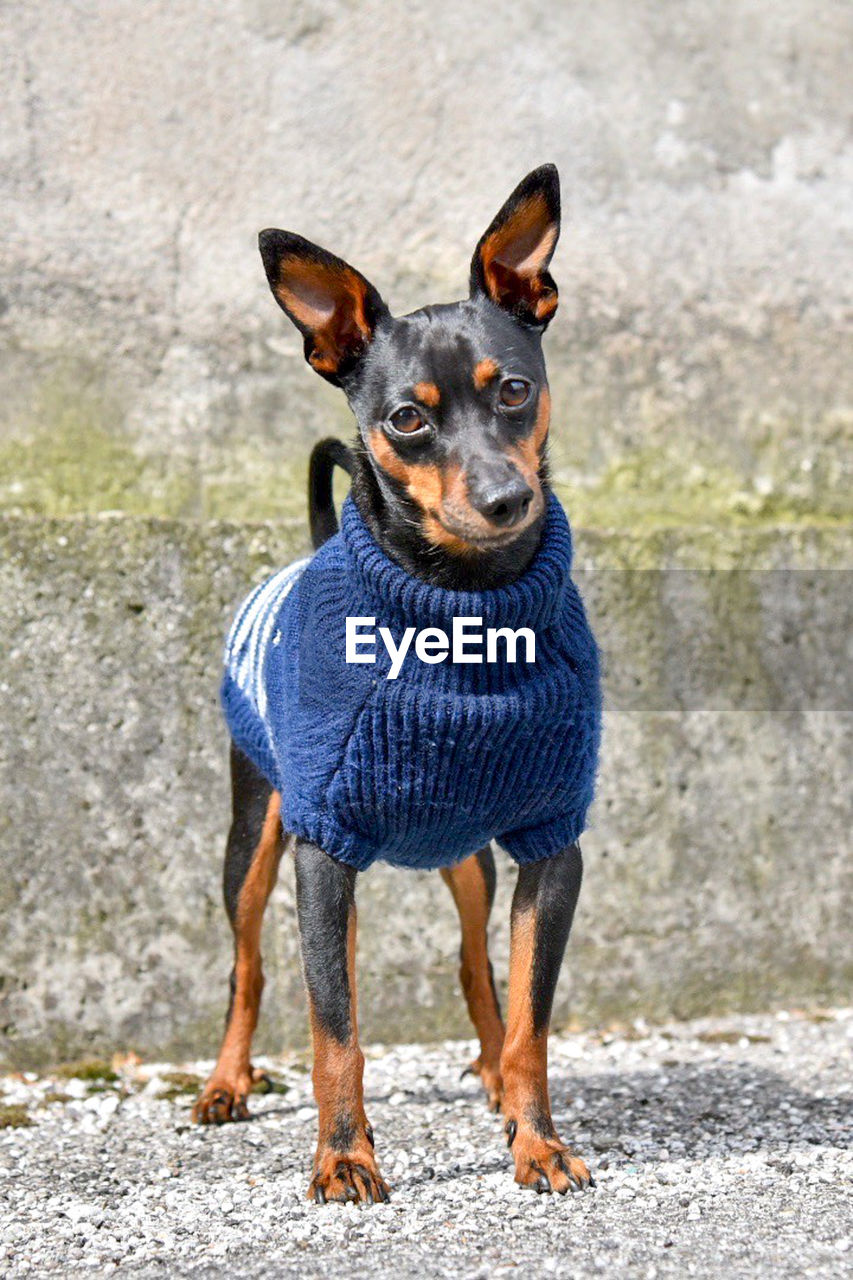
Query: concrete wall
(706, 164)
(701, 366)
(718, 867)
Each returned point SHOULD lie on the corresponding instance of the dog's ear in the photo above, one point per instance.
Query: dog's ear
(510, 263)
(332, 305)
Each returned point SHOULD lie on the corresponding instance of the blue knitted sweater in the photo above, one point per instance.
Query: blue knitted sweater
(423, 769)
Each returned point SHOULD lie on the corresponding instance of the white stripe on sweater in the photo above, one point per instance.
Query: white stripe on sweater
(250, 633)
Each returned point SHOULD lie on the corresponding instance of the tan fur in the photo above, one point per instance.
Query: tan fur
(337, 1077)
(354, 1176)
(470, 893)
(524, 1068)
(484, 371)
(439, 494)
(428, 394)
(426, 483)
(520, 249)
(327, 300)
(436, 533)
(527, 454)
(224, 1095)
(524, 1057)
(535, 1155)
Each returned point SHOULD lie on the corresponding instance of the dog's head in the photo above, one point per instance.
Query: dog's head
(451, 401)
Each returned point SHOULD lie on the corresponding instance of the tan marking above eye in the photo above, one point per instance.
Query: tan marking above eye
(484, 371)
(428, 393)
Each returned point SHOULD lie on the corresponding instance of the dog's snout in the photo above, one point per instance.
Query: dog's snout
(505, 504)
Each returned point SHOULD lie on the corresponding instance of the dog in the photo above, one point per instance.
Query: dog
(449, 510)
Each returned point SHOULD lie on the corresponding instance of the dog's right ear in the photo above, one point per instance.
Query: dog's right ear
(332, 305)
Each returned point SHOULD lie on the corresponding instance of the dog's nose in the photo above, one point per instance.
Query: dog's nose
(505, 504)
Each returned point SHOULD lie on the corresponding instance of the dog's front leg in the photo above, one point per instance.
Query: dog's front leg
(542, 909)
(344, 1166)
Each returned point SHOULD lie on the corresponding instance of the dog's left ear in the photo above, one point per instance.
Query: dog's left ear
(510, 263)
(332, 305)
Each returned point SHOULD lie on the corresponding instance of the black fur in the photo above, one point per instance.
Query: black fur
(470, 431)
(486, 859)
(325, 456)
(325, 896)
(250, 796)
(549, 888)
(441, 344)
(545, 181)
(451, 365)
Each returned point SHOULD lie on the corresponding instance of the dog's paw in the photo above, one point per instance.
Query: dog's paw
(352, 1176)
(546, 1164)
(223, 1099)
(491, 1078)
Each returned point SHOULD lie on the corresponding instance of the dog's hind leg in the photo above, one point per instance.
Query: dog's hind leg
(252, 856)
(344, 1166)
(472, 884)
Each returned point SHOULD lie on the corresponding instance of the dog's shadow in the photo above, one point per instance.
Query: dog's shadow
(647, 1116)
(677, 1113)
(655, 1116)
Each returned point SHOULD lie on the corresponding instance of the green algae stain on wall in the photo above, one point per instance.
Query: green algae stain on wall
(657, 488)
(74, 456)
(79, 467)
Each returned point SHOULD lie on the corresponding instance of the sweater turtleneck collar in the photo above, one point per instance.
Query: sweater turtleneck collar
(533, 600)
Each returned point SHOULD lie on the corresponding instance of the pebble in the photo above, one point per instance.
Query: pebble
(722, 1145)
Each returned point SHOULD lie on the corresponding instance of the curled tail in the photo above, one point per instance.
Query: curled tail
(325, 456)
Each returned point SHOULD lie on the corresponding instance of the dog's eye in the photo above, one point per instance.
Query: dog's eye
(406, 420)
(514, 392)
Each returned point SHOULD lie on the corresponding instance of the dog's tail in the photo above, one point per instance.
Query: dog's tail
(325, 456)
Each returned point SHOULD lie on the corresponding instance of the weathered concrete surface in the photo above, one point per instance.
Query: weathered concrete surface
(718, 863)
(706, 162)
(701, 366)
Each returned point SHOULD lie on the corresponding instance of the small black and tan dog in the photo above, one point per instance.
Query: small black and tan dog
(449, 474)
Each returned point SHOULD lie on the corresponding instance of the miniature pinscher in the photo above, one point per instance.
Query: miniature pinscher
(449, 474)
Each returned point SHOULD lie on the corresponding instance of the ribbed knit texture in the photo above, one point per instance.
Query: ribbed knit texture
(422, 770)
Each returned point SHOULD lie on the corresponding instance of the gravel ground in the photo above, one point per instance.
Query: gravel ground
(718, 1146)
